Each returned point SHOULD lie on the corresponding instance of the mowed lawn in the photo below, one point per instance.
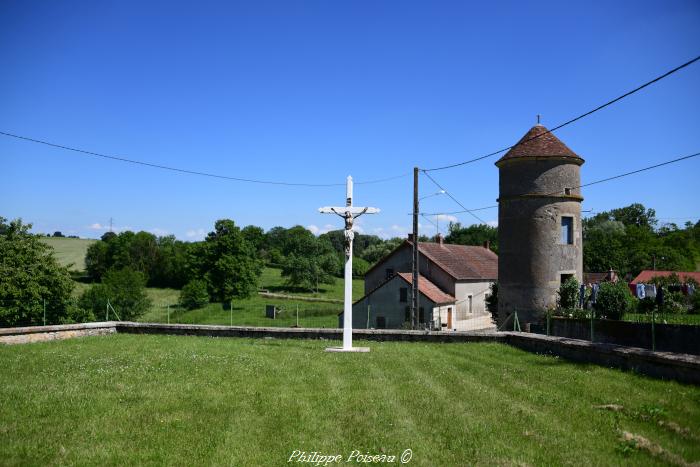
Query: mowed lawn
(160, 400)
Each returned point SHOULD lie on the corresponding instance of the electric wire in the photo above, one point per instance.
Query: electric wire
(454, 199)
(575, 119)
(195, 172)
(614, 177)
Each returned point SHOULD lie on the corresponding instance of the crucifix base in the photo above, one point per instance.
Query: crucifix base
(351, 349)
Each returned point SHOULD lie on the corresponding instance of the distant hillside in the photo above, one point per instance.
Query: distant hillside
(70, 250)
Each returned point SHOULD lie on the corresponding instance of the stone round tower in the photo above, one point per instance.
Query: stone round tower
(539, 224)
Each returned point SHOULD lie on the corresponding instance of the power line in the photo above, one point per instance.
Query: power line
(569, 122)
(655, 166)
(194, 172)
(454, 199)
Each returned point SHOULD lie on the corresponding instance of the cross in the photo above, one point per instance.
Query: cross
(538, 118)
(349, 213)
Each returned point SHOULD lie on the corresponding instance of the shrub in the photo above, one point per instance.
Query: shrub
(614, 300)
(194, 294)
(124, 289)
(695, 303)
(568, 293)
(492, 301)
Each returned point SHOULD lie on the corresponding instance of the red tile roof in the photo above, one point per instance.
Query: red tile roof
(646, 276)
(539, 142)
(427, 288)
(462, 262)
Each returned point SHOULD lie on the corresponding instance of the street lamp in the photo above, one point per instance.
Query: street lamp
(437, 218)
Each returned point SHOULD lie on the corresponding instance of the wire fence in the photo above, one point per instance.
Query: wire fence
(673, 332)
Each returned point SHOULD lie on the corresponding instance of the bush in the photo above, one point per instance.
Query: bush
(695, 303)
(568, 293)
(492, 301)
(125, 289)
(194, 294)
(614, 300)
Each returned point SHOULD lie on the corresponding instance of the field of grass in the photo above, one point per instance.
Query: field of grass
(69, 251)
(133, 400)
(251, 311)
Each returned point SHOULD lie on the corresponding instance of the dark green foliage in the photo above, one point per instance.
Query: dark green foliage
(194, 294)
(628, 241)
(614, 300)
(359, 267)
(492, 301)
(568, 294)
(163, 260)
(30, 276)
(695, 303)
(473, 235)
(58, 234)
(375, 252)
(125, 291)
(228, 263)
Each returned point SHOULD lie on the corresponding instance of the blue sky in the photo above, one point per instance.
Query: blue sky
(311, 91)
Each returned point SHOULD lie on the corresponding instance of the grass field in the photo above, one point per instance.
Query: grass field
(664, 318)
(69, 251)
(251, 311)
(161, 400)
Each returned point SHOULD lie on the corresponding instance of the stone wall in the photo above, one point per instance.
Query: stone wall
(669, 337)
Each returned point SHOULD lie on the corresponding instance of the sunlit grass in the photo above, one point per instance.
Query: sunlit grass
(134, 400)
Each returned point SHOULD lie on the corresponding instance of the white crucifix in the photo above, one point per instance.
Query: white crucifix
(349, 213)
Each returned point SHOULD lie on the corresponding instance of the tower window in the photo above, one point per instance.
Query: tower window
(567, 230)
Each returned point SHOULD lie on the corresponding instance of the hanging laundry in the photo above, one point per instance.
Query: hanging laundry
(691, 289)
(650, 290)
(640, 291)
(660, 296)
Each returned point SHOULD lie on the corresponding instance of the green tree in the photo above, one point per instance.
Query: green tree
(125, 289)
(194, 294)
(476, 234)
(228, 263)
(30, 275)
(359, 267)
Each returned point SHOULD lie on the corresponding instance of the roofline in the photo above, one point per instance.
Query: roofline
(431, 258)
(578, 160)
(386, 281)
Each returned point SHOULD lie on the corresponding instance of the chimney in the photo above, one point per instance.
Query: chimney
(410, 237)
(487, 244)
(440, 239)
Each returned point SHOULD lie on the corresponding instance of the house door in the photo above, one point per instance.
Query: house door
(449, 318)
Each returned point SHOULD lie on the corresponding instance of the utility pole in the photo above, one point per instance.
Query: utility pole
(414, 262)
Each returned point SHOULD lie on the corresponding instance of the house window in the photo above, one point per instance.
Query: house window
(381, 322)
(403, 295)
(469, 303)
(389, 273)
(567, 230)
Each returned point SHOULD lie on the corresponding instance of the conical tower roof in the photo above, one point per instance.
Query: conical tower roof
(540, 143)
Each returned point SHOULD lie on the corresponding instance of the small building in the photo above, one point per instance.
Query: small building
(454, 281)
(389, 305)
